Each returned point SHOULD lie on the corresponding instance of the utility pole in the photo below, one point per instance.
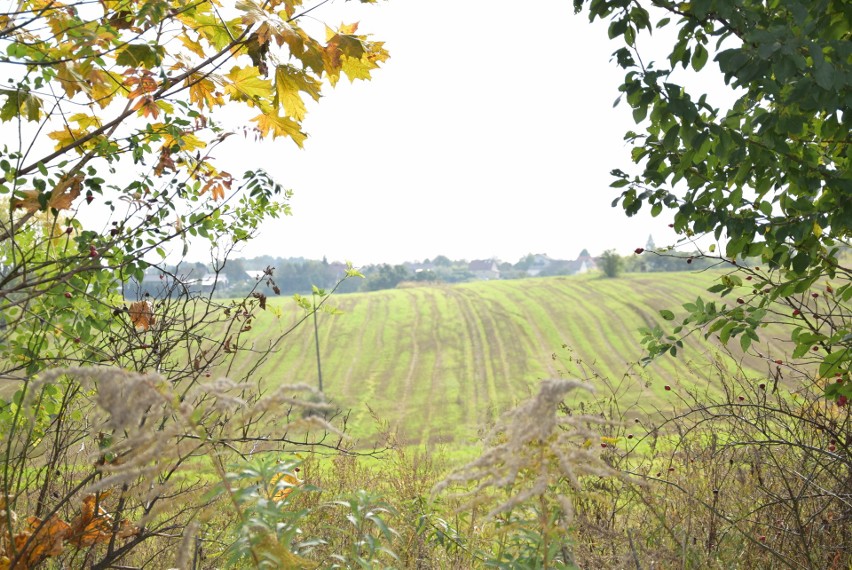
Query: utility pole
(316, 341)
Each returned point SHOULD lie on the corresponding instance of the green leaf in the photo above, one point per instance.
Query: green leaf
(699, 57)
(667, 315)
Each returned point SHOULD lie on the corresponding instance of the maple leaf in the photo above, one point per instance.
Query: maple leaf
(192, 45)
(93, 525)
(247, 85)
(184, 140)
(86, 121)
(202, 91)
(289, 82)
(277, 126)
(20, 103)
(40, 541)
(66, 137)
(60, 198)
(142, 314)
(147, 107)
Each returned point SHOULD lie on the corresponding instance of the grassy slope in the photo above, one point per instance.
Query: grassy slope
(440, 361)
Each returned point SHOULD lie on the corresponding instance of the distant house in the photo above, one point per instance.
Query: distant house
(539, 263)
(484, 268)
(586, 262)
(209, 281)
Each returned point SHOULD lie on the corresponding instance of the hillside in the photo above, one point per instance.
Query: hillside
(441, 361)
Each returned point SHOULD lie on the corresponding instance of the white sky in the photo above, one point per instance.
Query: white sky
(489, 133)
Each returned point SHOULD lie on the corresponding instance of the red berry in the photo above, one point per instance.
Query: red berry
(816, 348)
(828, 289)
(831, 447)
(629, 436)
(671, 225)
(740, 300)
(762, 386)
(742, 399)
(814, 295)
(748, 278)
(779, 362)
(77, 339)
(638, 250)
(842, 401)
(69, 230)
(67, 294)
(89, 197)
(603, 445)
(671, 469)
(659, 474)
(689, 260)
(796, 312)
(668, 387)
(761, 538)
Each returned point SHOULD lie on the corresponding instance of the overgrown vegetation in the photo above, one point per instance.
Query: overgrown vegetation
(138, 431)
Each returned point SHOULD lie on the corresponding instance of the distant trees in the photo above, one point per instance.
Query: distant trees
(611, 263)
(386, 277)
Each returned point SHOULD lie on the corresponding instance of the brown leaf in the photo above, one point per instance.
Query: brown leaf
(40, 541)
(142, 314)
(61, 197)
(93, 525)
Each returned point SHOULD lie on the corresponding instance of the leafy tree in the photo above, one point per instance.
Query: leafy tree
(611, 263)
(386, 277)
(109, 119)
(769, 176)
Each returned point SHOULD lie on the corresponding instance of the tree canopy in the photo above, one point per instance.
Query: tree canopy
(768, 177)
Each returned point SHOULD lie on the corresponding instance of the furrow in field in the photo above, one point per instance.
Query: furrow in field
(472, 372)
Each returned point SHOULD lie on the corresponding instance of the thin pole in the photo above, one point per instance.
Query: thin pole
(316, 341)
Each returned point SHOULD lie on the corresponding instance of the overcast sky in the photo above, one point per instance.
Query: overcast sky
(489, 133)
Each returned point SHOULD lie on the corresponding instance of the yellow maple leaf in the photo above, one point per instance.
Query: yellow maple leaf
(61, 197)
(247, 85)
(86, 121)
(289, 82)
(202, 91)
(66, 137)
(277, 126)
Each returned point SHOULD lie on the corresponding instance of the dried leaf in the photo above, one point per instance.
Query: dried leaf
(93, 525)
(277, 492)
(60, 198)
(142, 314)
(40, 541)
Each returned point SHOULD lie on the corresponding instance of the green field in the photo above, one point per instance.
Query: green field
(439, 362)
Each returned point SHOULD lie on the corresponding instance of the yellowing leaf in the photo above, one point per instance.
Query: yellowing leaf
(289, 81)
(66, 137)
(277, 126)
(277, 491)
(817, 230)
(185, 141)
(86, 121)
(202, 91)
(192, 45)
(247, 85)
